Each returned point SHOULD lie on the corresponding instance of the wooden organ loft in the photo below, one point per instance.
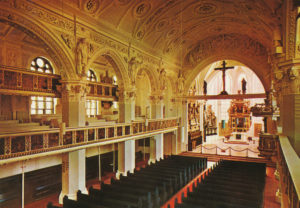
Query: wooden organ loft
(194, 133)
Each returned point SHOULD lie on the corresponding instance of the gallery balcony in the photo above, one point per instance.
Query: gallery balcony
(15, 146)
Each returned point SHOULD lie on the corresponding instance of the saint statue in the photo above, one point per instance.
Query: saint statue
(204, 87)
(82, 56)
(244, 83)
(180, 83)
(133, 65)
(162, 79)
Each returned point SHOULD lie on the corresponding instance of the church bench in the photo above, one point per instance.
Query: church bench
(106, 199)
(145, 199)
(69, 203)
(229, 196)
(228, 182)
(226, 188)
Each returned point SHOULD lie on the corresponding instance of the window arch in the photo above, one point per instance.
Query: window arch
(91, 76)
(39, 104)
(41, 64)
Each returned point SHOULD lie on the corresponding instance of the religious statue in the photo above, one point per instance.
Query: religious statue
(204, 87)
(162, 79)
(82, 56)
(210, 118)
(133, 64)
(244, 83)
(180, 82)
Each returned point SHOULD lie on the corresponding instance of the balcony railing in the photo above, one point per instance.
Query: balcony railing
(29, 143)
(103, 90)
(289, 170)
(25, 82)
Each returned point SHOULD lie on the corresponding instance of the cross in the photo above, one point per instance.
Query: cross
(223, 69)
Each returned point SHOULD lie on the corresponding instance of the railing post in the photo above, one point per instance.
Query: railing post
(229, 151)
(216, 149)
(247, 152)
(201, 149)
(7, 147)
(45, 141)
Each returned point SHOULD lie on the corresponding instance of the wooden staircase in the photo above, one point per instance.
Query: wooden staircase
(215, 158)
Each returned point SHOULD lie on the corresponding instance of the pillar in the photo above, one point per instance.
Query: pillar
(290, 115)
(127, 106)
(156, 148)
(184, 125)
(73, 174)
(73, 103)
(126, 157)
(157, 106)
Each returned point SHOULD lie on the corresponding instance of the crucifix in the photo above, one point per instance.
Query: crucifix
(223, 69)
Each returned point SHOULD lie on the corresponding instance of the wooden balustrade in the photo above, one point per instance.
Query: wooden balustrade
(103, 90)
(28, 143)
(26, 82)
(289, 171)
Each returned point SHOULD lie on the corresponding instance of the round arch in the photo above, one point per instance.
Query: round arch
(58, 53)
(117, 63)
(152, 77)
(263, 71)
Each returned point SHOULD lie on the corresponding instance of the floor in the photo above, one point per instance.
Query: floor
(220, 146)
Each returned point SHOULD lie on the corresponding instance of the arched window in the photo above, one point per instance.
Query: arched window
(40, 64)
(91, 76)
(39, 104)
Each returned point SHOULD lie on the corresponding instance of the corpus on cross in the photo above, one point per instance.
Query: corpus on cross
(223, 69)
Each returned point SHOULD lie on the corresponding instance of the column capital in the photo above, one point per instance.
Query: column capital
(156, 98)
(74, 90)
(127, 95)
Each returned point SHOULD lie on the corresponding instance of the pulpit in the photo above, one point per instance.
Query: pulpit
(267, 145)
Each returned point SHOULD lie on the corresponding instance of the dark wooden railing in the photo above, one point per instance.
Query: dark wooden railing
(36, 142)
(102, 90)
(25, 82)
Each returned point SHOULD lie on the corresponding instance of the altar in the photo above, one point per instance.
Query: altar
(239, 119)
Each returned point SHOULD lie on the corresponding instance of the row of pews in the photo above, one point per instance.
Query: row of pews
(231, 184)
(149, 187)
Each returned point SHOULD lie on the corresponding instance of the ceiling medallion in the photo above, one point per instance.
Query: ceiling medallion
(140, 34)
(161, 24)
(205, 8)
(141, 9)
(171, 33)
(91, 6)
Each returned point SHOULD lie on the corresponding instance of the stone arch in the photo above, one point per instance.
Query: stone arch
(263, 71)
(118, 64)
(229, 46)
(58, 54)
(152, 77)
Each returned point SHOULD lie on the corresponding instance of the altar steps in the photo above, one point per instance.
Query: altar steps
(215, 158)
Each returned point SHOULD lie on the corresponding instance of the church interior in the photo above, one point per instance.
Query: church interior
(149, 103)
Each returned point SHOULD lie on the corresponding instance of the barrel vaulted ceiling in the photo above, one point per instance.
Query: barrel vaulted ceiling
(173, 28)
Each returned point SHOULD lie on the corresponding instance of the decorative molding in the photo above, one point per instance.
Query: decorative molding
(240, 44)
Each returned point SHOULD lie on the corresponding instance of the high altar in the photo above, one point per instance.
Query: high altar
(239, 119)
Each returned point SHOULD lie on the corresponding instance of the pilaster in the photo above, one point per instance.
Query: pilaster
(73, 174)
(73, 103)
(126, 157)
(157, 106)
(127, 106)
